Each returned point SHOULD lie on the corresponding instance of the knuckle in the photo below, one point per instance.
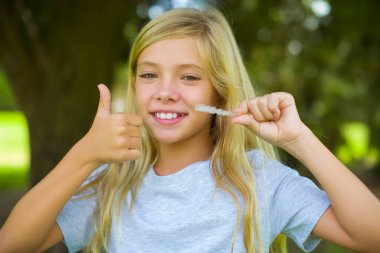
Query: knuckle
(252, 104)
(121, 142)
(272, 107)
(261, 101)
(120, 130)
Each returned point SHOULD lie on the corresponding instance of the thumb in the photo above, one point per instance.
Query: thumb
(104, 107)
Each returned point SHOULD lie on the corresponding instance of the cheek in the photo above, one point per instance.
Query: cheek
(200, 96)
(141, 100)
(213, 97)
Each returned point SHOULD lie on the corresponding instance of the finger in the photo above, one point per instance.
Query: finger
(263, 105)
(104, 107)
(273, 105)
(128, 154)
(249, 122)
(134, 143)
(255, 111)
(124, 119)
(284, 100)
(242, 109)
(127, 130)
(134, 131)
(127, 142)
(132, 154)
(134, 120)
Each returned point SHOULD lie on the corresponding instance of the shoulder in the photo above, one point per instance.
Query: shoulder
(265, 166)
(278, 181)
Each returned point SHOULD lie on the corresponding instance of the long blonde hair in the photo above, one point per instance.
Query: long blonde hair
(231, 169)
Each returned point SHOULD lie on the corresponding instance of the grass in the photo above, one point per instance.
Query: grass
(14, 150)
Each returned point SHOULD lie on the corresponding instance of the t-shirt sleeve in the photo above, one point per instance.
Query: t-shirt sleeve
(298, 205)
(75, 222)
(76, 218)
(295, 204)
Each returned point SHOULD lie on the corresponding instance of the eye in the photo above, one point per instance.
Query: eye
(148, 75)
(190, 78)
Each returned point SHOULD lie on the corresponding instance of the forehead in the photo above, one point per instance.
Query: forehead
(179, 51)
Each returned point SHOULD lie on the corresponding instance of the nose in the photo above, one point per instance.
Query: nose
(167, 91)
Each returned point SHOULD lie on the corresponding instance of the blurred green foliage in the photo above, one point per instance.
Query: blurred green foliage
(329, 62)
(14, 150)
(356, 146)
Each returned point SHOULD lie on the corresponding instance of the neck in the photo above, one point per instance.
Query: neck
(174, 157)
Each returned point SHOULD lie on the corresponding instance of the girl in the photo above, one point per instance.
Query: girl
(179, 180)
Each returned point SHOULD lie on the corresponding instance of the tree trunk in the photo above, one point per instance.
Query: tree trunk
(54, 55)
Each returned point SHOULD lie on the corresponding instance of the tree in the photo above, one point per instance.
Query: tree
(54, 54)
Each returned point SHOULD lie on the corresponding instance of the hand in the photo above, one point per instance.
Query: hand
(273, 117)
(112, 137)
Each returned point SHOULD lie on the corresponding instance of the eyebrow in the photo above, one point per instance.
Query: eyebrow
(185, 65)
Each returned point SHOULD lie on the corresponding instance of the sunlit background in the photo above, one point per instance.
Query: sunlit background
(326, 53)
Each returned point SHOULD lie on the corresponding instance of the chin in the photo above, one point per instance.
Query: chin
(166, 139)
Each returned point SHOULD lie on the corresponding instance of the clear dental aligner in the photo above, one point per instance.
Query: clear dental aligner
(212, 110)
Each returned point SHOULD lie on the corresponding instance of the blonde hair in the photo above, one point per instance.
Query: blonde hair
(230, 166)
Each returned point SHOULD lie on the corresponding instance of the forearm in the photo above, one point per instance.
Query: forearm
(32, 218)
(356, 208)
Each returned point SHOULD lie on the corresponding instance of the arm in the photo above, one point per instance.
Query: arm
(353, 220)
(112, 138)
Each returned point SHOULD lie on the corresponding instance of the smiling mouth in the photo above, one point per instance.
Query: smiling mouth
(168, 115)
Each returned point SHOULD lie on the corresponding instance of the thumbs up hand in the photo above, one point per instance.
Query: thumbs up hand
(113, 137)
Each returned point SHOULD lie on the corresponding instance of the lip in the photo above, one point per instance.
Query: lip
(180, 116)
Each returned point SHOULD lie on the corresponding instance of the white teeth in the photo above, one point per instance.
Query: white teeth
(163, 115)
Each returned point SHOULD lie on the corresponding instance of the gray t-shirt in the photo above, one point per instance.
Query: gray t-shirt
(184, 212)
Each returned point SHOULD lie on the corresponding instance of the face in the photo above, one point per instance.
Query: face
(170, 79)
